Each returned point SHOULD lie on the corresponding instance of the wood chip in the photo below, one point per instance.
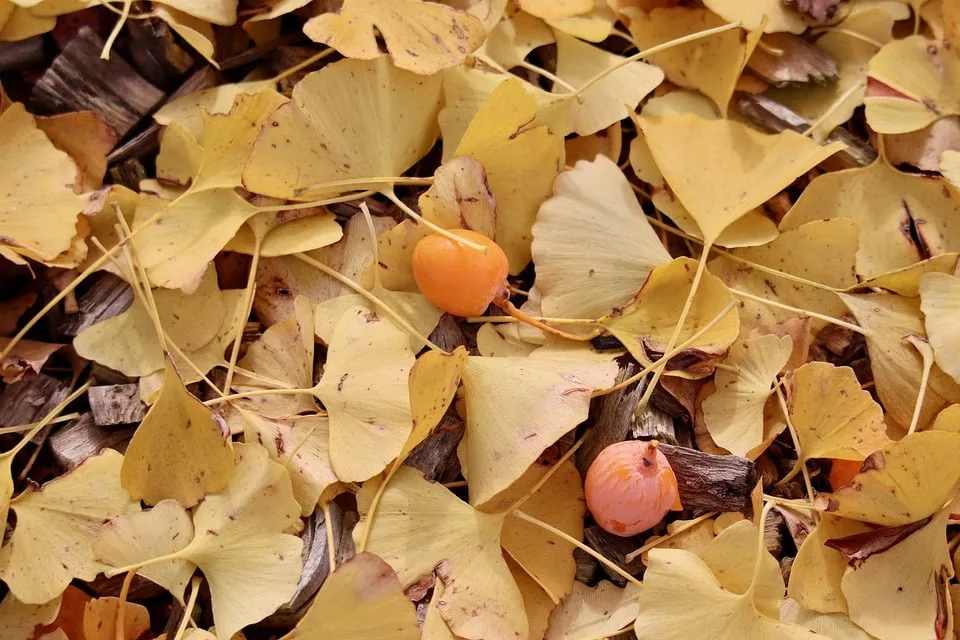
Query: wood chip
(787, 59)
(613, 417)
(78, 80)
(116, 404)
(83, 438)
(712, 483)
(29, 400)
(25, 54)
(109, 296)
(155, 53)
(436, 457)
(615, 549)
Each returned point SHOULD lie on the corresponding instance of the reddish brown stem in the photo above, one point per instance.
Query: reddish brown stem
(507, 307)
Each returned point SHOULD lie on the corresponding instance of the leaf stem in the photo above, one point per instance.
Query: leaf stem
(303, 65)
(836, 104)
(505, 305)
(802, 312)
(247, 303)
(188, 610)
(331, 543)
(369, 297)
(316, 203)
(549, 76)
(416, 217)
(260, 392)
(686, 526)
(47, 419)
(761, 549)
(119, 628)
(546, 477)
(926, 353)
(513, 319)
(568, 538)
(801, 461)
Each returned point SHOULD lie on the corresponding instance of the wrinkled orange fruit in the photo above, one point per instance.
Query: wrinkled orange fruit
(459, 279)
(630, 487)
(842, 472)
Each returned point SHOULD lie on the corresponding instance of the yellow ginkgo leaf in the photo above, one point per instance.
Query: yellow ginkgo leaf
(906, 281)
(646, 324)
(607, 142)
(180, 451)
(459, 198)
(100, 619)
(770, 15)
(521, 163)
(898, 590)
(940, 303)
(819, 102)
(592, 244)
(516, 408)
(897, 366)
(361, 600)
(710, 65)
(882, 201)
(351, 120)
(18, 620)
(480, 598)
(597, 105)
(536, 603)
(39, 213)
(688, 150)
(732, 557)
(179, 157)
(303, 446)
(364, 389)
(832, 416)
(177, 248)
(817, 569)
(681, 593)
(284, 353)
(286, 232)
(948, 419)
(822, 251)
(195, 32)
(558, 502)
(513, 38)
(140, 536)
(56, 526)
(128, 342)
(228, 139)
(251, 564)
(187, 111)
(423, 37)
(921, 77)
(434, 380)
(734, 412)
(836, 626)
(596, 25)
(950, 167)
(553, 9)
(502, 341)
(590, 612)
(904, 482)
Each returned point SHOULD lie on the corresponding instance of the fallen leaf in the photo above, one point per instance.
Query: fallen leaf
(423, 37)
(56, 526)
(28, 356)
(939, 301)
(481, 599)
(734, 412)
(554, 9)
(100, 620)
(836, 626)
(131, 539)
(592, 244)
(187, 110)
(433, 383)
(770, 15)
(832, 416)
(906, 280)
(365, 391)
(646, 324)
(919, 75)
(516, 408)
(367, 588)
(18, 620)
(904, 482)
(87, 139)
(38, 178)
(338, 127)
(592, 611)
(885, 204)
(180, 451)
(817, 569)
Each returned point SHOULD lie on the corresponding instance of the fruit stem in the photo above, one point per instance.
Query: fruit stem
(507, 307)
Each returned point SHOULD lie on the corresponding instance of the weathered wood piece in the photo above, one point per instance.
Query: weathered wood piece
(771, 115)
(820, 10)
(614, 549)
(25, 54)
(652, 423)
(436, 456)
(712, 483)
(116, 404)
(613, 417)
(147, 140)
(30, 399)
(155, 53)
(109, 296)
(129, 173)
(78, 80)
(448, 335)
(82, 438)
(800, 62)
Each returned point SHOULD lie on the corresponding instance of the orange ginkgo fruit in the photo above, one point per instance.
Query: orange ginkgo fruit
(463, 281)
(630, 487)
(842, 472)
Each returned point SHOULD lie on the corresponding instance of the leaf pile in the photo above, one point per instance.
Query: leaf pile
(243, 415)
